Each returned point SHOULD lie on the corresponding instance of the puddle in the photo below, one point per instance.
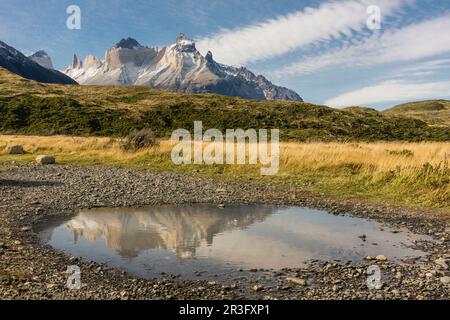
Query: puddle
(204, 241)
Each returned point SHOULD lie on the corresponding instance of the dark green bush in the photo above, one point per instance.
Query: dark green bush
(140, 139)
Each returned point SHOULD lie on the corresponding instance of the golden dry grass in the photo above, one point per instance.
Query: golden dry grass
(413, 174)
(370, 158)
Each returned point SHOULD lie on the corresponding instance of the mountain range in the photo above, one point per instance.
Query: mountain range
(31, 68)
(179, 67)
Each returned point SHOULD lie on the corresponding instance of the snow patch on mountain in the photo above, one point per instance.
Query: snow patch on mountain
(178, 67)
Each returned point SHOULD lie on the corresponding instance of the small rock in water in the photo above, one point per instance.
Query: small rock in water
(221, 205)
(44, 160)
(363, 237)
(380, 258)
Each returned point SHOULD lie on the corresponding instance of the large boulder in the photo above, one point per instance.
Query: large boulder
(44, 160)
(16, 149)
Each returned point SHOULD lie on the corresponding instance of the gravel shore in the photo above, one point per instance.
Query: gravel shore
(31, 270)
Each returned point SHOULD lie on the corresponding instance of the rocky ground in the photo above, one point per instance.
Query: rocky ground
(29, 269)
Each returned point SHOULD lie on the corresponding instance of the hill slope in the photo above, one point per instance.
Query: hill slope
(35, 108)
(434, 112)
(16, 62)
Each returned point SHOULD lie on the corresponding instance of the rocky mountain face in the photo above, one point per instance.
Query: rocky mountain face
(14, 61)
(178, 67)
(42, 58)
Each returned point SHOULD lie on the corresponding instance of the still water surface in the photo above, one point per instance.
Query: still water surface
(187, 239)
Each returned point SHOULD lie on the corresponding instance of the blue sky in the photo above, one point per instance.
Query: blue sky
(321, 49)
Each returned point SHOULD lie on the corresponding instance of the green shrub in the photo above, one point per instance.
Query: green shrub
(140, 139)
(302, 122)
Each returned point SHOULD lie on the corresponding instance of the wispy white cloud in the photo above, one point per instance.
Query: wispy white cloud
(390, 91)
(426, 39)
(422, 69)
(278, 36)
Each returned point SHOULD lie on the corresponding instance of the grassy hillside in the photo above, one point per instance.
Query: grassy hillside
(28, 107)
(434, 112)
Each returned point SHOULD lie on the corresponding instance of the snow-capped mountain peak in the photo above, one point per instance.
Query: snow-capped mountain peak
(185, 45)
(177, 67)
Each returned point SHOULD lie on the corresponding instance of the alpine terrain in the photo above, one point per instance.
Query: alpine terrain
(37, 68)
(178, 67)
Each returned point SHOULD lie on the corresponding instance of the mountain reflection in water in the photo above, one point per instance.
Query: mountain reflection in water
(177, 229)
(190, 238)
